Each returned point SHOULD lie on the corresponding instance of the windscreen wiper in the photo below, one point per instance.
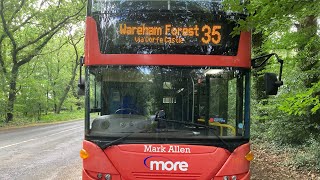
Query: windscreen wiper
(119, 140)
(194, 124)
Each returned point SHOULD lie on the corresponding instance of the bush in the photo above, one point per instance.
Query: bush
(285, 129)
(273, 125)
(49, 118)
(309, 155)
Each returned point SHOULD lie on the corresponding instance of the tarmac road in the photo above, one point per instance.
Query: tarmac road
(42, 152)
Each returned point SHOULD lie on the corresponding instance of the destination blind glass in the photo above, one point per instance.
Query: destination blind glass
(164, 27)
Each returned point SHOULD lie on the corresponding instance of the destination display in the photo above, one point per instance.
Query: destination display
(167, 33)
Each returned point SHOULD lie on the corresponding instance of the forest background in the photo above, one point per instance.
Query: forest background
(41, 42)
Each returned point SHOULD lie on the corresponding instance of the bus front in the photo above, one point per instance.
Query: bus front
(166, 91)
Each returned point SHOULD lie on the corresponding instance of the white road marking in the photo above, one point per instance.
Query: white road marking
(38, 138)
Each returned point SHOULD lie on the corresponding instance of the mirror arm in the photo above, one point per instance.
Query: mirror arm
(279, 83)
(267, 57)
(281, 67)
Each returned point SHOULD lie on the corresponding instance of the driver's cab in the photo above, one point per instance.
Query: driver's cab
(118, 97)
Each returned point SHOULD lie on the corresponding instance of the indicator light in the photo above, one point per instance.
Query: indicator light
(84, 154)
(249, 156)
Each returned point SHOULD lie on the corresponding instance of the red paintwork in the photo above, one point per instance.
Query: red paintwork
(96, 162)
(236, 162)
(94, 57)
(127, 162)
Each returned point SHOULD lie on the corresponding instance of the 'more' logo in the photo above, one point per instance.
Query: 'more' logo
(157, 163)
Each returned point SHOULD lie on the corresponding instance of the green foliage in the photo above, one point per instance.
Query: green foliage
(26, 29)
(276, 126)
(273, 16)
(49, 118)
(45, 79)
(291, 29)
(309, 155)
(63, 116)
(302, 103)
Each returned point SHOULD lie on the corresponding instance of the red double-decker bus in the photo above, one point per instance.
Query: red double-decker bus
(171, 87)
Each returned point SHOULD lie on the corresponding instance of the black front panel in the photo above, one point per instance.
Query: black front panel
(140, 27)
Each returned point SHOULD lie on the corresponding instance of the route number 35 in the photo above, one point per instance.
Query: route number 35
(211, 34)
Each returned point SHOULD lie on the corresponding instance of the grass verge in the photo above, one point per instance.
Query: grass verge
(20, 121)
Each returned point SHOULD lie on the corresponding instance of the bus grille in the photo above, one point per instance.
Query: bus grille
(167, 176)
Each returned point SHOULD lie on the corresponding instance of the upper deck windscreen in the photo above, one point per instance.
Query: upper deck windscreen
(164, 27)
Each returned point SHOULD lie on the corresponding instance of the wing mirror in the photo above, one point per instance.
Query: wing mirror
(81, 82)
(81, 86)
(271, 84)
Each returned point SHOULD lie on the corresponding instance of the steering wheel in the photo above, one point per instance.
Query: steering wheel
(126, 111)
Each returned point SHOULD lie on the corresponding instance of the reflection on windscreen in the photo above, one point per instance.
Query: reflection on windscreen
(174, 101)
(208, 5)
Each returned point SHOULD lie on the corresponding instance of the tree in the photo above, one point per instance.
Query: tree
(27, 27)
(290, 28)
(73, 40)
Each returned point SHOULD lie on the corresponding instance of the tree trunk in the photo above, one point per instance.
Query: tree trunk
(257, 42)
(258, 76)
(67, 89)
(12, 93)
(74, 73)
(308, 28)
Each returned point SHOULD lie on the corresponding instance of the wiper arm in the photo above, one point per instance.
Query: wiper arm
(194, 124)
(119, 140)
